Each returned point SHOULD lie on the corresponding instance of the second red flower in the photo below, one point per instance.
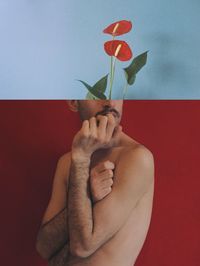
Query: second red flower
(119, 49)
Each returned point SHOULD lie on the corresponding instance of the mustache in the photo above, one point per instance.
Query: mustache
(107, 111)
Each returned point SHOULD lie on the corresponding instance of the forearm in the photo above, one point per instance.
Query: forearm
(80, 207)
(85, 231)
(63, 258)
(53, 235)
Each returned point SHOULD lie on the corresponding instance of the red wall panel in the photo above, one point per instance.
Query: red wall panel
(34, 134)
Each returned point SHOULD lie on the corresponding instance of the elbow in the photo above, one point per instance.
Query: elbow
(42, 249)
(42, 252)
(80, 251)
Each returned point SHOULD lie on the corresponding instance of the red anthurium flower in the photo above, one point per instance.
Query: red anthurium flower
(119, 28)
(119, 49)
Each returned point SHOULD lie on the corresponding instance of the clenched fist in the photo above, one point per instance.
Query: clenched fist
(96, 133)
(101, 180)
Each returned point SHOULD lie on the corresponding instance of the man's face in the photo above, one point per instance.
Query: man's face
(90, 108)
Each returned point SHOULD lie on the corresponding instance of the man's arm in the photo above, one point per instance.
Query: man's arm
(53, 233)
(53, 238)
(90, 228)
(100, 185)
(61, 257)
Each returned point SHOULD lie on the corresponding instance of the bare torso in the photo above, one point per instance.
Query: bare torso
(124, 247)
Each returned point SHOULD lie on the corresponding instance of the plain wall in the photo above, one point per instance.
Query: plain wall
(34, 134)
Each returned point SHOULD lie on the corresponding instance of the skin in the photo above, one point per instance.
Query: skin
(101, 203)
(53, 234)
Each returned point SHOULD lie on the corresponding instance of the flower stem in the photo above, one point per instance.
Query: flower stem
(111, 73)
(125, 90)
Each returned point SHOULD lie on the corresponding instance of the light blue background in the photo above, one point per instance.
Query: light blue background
(46, 45)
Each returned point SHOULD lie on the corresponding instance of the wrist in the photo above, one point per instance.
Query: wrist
(79, 156)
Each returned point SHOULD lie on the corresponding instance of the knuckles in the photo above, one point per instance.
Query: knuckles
(85, 134)
(109, 172)
(107, 190)
(97, 196)
(112, 122)
(100, 187)
(110, 182)
(107, 165)
(102, 140)
(94, 137)
(102, 118)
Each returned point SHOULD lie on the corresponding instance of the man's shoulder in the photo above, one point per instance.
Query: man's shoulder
(135, 170)
(142, 152)
(136, 149)
(137, 155)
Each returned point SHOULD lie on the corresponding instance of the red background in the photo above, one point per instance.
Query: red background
(34, 134)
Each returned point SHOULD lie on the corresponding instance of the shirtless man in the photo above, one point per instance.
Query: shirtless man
(100, 209)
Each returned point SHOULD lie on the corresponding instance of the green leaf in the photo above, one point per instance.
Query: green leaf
(101, 84)
(135, 66)
(86, 85)
(97, 94)
(90, 96)
(131, 79)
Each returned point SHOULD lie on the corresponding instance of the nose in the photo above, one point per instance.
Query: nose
(109, 103)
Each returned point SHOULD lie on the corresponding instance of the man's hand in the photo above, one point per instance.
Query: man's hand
(101, 180)
(96, 133)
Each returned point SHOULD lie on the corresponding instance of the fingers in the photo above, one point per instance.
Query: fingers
(101, 180)
(85, 127)
(93, 127)
(101, 194)
(100, 132)
(106, 128)
(102, 119)
(106, 191)
(110, 126)
(107, 165)
(106, 174)
(107, 183)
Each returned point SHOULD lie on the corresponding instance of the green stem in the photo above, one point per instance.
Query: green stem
(125, 90)
(111, 74)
